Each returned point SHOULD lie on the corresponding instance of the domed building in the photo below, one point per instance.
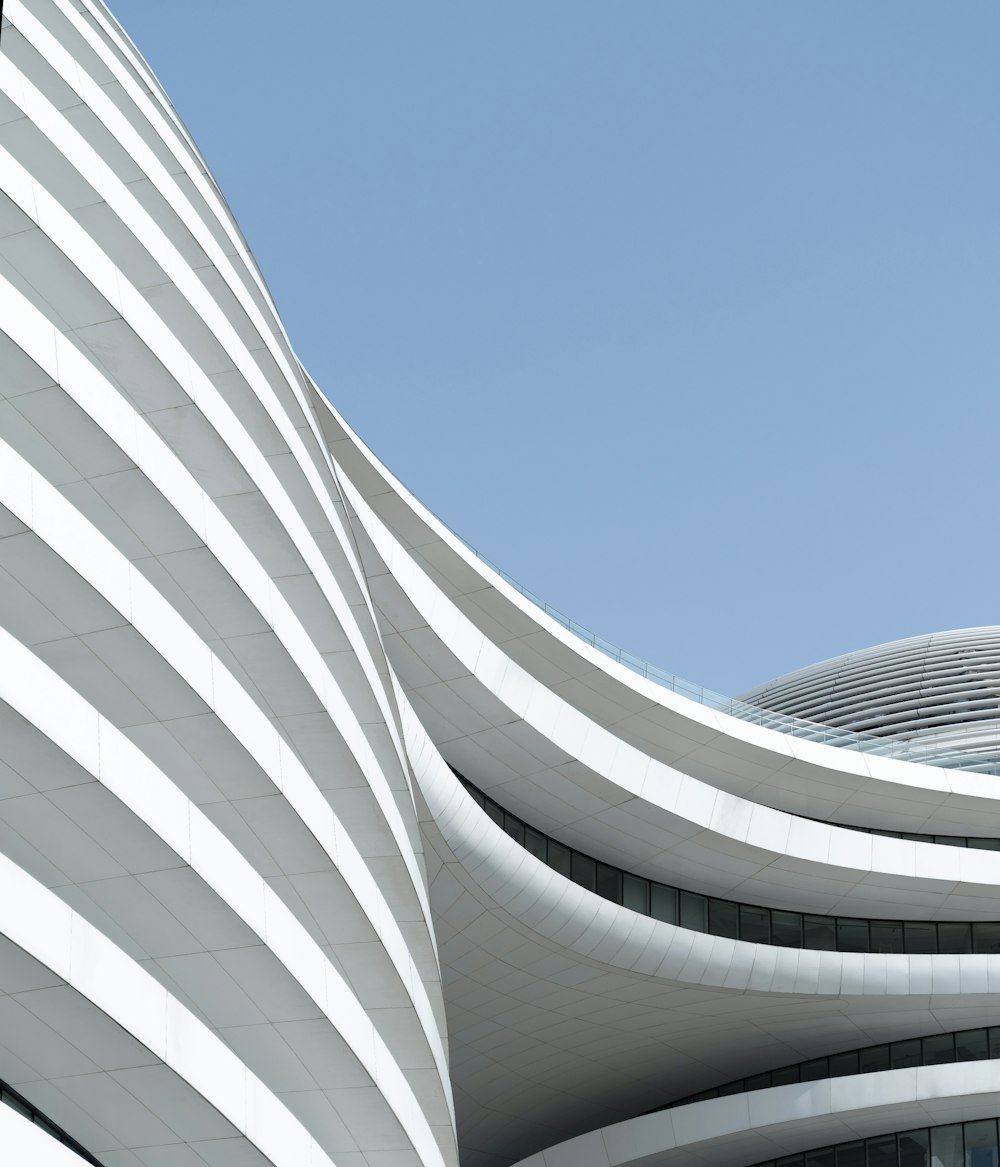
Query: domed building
(935, 698)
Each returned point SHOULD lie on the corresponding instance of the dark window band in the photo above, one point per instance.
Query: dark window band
(937, 1049)
(960, 1144)
(17, 1102)
(720, 917)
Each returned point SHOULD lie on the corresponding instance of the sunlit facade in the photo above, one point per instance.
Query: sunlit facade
(323, 844)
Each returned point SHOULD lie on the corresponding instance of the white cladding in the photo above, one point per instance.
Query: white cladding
(249, 915)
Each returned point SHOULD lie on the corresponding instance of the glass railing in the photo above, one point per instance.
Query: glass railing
(959, 1144)
(937, 1049)
(739, 921)
(945, 755)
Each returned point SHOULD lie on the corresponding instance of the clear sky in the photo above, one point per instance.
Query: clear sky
(685, 312)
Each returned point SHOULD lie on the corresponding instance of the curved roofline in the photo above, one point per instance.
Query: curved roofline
(752, 694)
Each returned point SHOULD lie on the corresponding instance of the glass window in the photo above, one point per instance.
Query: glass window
(938, 1049)
(919, 937)
(871, 1060)
(946, 1146)
(914, 1149)
(842, 1065)
(52, 1129)
(881, 1151)
(985, 844)
(694, 911)
(723, 918)
(535, 842)
(995, 1042)
(971, 1045)
(887, 936)
(819, 933)
(824, 1157)
(736, 1087)
(663, 903)
(476, 795)
(905, 1053)
(852, 935)
(786, 1076)
(981, 1143)
(954, 938)
(559, 857)
(757, 1082)
(494, 811)
(851, 1154)
(814, 1070)
(514, 827)
(635, 895)
(755, 925)
(583, 870)
(789, 1161)
(986, 937)
(609, 882)
(786, 929)
(16, 1102)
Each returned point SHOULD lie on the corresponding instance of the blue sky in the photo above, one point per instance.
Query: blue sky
(685, 313)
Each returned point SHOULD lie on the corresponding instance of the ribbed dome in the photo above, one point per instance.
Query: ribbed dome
(939, 692)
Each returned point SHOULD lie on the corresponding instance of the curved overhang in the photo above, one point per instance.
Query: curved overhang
(567, 1012)
(772, 768)
(635, 811)
(747, 1129)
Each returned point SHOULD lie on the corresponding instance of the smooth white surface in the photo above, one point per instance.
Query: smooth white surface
(200, 752)
(774, 768)
(36, 693)
(566, 1011)
(748, 1128)
(41, 925)
(142, 444)
(709, 840)
(229, 901)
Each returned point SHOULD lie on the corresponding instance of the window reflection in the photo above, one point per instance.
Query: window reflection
(970, 1144)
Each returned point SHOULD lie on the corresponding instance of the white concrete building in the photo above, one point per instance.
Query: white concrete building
(321, 843)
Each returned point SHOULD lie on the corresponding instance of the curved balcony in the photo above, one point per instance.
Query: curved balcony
(959, 1144)
(739, 921)
(935, 1049)
(939, 1116)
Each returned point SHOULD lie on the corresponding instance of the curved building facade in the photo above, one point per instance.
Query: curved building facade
(322, 844)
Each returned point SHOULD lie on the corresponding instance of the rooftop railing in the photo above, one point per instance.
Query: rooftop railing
(982, 755)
